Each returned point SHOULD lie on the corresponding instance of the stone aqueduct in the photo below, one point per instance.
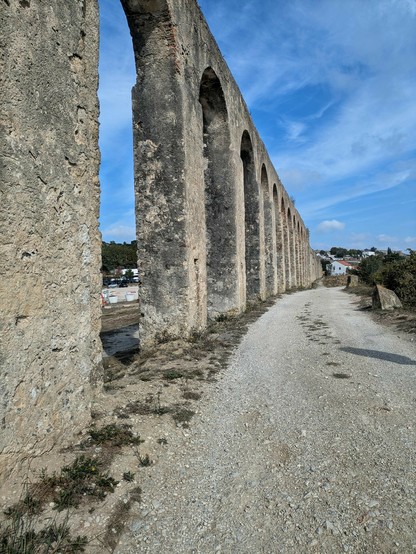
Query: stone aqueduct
(216, 229)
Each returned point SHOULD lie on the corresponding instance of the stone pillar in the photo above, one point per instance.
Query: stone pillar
(158, 123)
(51, 248)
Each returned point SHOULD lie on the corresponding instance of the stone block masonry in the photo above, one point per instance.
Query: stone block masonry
(50, 351)
(215, 227)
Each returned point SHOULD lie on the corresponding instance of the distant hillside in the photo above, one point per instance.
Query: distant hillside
(116, 255)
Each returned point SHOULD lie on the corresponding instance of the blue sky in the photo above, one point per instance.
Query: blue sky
(331, 86)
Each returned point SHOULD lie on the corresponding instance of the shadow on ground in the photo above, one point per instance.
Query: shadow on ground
(386, 356)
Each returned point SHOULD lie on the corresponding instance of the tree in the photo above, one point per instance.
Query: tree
(391, 256)
(119, 255)
(400, 276)
(369, 269)
(355, 253)
(324, 264)
(338, 251)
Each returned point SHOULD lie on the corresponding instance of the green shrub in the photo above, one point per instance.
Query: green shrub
(369, 269)
(400, 276)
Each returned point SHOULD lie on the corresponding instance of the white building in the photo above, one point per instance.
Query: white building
(339, 267)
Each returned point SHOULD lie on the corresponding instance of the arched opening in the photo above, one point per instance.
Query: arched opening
(290, 233)
(219, 197)
(117, 73)
(171, 272)
(299, 256)
(304, 258)
(280, 267)
(297, 253)
(267, 233)
(251, 217)
(286, 249)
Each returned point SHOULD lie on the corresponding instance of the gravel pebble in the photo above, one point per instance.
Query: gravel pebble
(284, 456)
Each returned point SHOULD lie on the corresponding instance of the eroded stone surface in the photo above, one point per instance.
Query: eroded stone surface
(385, 299)
(49, 284)
(216, 228)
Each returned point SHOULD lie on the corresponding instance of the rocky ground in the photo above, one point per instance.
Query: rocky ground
(299, 440)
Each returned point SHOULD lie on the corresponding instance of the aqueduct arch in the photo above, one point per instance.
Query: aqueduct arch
(198, 159)
(251, 218)
(220, 197)
(280, 251)
(267, 235)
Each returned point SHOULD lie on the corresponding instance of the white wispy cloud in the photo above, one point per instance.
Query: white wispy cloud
(381, 182)
(387, 240)
(331, 225)
(294, 130)
(119, 233)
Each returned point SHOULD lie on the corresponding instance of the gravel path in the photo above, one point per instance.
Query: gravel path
(305, 444)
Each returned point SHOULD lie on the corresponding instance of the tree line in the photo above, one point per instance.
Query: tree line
(340, 252)
(116, 255)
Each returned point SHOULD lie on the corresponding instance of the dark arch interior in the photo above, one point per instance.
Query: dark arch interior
(117, 199)
(251, 217)
(268, 234)
(219, 197)
(286, 242)
(280, 256)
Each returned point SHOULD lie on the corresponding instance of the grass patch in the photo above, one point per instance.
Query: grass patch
(172, 374)
(78, 481)
(18, 536)
(142, 408)
(144, 461)
(222, 317)
(82, 480)
(128, 476)
(190, 395)
(114, 435)
(183, 416)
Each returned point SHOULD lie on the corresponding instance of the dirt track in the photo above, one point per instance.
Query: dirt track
(305, 444)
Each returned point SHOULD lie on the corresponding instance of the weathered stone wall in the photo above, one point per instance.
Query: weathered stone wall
(50, 245)
(209, 236)
(216, 229)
